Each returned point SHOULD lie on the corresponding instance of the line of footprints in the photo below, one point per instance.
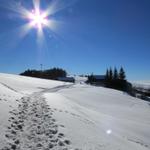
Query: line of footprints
(32, 127)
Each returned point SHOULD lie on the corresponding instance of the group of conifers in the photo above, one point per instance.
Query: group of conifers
(115, 75)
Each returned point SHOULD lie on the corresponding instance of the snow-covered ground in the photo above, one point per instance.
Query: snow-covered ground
(44, 114)
(141, 84)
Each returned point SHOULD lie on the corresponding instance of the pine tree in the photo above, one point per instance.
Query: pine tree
(110, 74)
(107, 75)
(122, 75)
(115, 74)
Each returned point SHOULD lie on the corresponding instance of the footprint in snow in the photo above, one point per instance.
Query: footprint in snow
(33, 127)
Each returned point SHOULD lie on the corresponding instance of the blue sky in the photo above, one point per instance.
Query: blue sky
(90, 36)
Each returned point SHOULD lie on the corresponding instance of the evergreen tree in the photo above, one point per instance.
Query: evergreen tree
(110, 74)
(115, 74)
(107, 74)
(122, 75)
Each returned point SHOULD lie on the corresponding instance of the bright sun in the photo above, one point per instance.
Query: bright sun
(38, 19)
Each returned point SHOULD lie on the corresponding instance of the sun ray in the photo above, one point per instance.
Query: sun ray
(25, 29)
(38, 19)
(36, 4)
(40, 37)
(58, 5)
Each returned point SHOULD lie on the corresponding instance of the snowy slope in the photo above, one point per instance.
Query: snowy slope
(27, 85)
(56, 115)
(12, 89)
(100, 118)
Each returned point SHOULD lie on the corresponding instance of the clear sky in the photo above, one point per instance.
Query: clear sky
(89, 36)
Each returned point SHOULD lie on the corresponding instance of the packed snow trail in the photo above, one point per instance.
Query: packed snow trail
(33, 127)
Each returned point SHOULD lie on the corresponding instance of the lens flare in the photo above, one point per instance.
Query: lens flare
(38, 17)
(109, 131)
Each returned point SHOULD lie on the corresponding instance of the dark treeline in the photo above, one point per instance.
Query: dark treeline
(112, 79)
(117, 79)
(115, 75)
(53, 73)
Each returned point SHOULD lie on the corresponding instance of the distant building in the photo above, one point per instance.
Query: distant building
(98, 78)
(66, 79)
